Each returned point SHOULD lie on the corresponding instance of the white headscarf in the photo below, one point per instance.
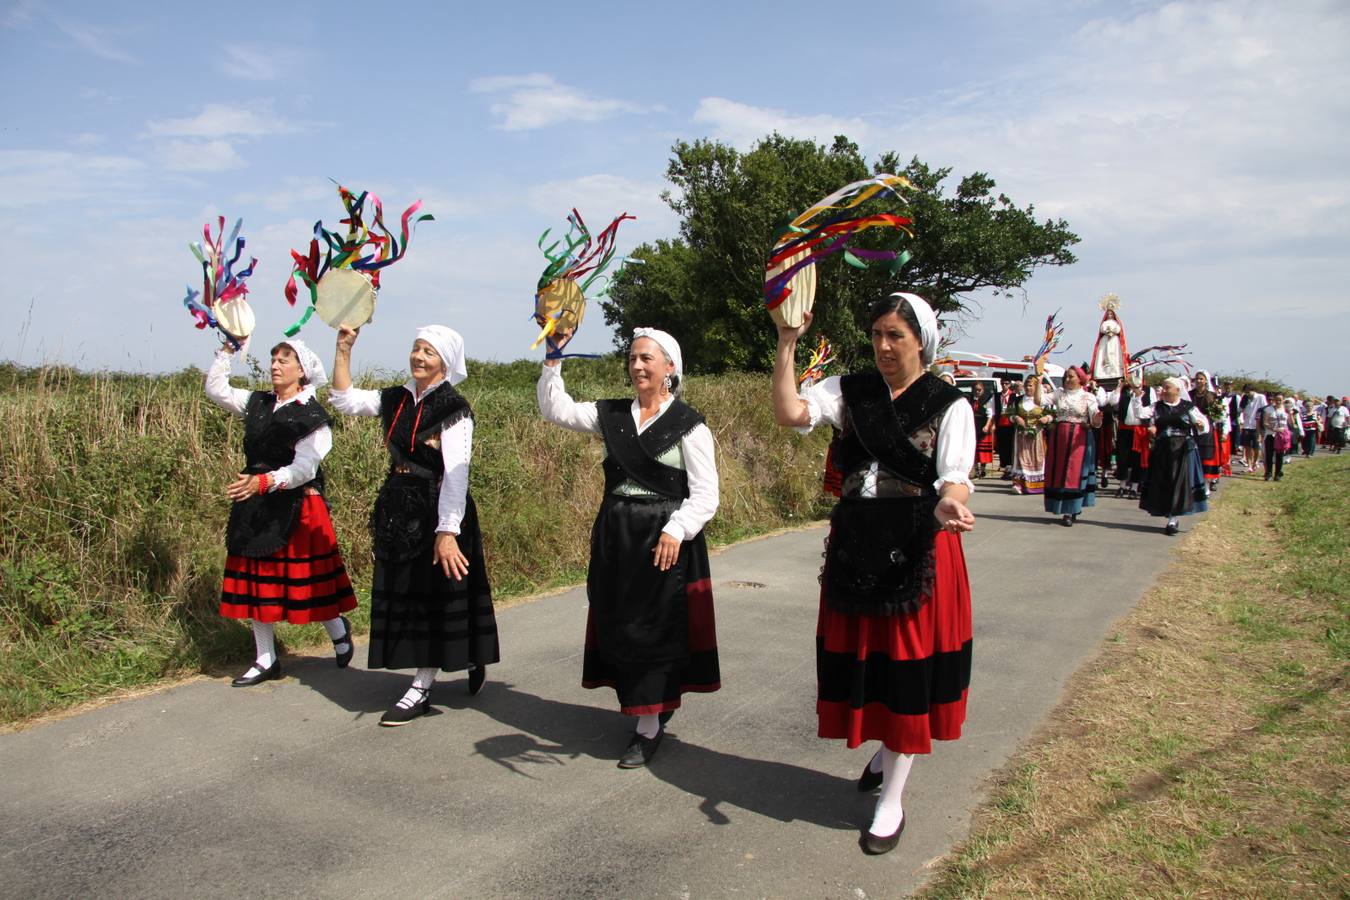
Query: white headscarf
(928, 325)
(666, 343)
(449, 346)
(310, 363)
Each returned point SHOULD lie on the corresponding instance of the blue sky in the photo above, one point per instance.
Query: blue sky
(1199, 150)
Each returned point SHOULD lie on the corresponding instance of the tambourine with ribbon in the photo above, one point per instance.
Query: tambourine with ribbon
(221, 303)
(575, 263)
(343, 282)
(829, 227)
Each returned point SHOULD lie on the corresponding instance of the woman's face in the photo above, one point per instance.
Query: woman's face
(424, 363)
(286, 370)
(1071, 382)
(647, 365)
(1171, 393)
(1029, 386)
(894, 345)
(1201, 382)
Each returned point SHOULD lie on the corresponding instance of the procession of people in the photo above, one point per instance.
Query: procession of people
(894, 628)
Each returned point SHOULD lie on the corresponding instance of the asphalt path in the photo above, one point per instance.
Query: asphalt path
(291, 789)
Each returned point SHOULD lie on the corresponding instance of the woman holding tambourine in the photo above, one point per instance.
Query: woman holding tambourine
(430, 598)
(284, 564)
(650, 628)
(893, 636)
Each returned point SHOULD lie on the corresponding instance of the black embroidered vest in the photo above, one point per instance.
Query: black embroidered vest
(633, 457)
(261, 525)
(1174, 419)
(879, 560)
(403, 522)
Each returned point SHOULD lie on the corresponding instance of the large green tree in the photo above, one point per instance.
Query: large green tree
(706, 285)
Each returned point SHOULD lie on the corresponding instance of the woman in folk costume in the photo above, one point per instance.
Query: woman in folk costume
(1030, 416)
(650, 629)
(1174, 486)
(1206, 399)
(893, 636)
(1004, 430)
(430, 598)
(983, 408)
(1071, 457)
(1133, 401)
(284, 564)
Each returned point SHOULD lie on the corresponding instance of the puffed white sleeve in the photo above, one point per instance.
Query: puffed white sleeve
(355, 401)
(700, 461)
(1200, 420)
(824, 403)
(218, 389)
(956, 446)
(558, 407)
(456, 451)
(309, 452)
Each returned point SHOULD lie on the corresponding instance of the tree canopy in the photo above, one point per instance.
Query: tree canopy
(706, 285)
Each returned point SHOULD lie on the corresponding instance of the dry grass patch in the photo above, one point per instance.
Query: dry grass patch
(1204, 752)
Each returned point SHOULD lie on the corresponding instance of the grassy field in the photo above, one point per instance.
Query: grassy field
(1206, 752)
(112, 511)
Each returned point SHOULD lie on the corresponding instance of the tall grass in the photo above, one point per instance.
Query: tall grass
(112, 510)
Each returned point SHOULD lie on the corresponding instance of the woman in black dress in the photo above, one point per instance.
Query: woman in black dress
(1174, 485)
(430, 599)
(650, 630)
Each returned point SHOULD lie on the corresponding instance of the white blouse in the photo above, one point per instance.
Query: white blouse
(456, 449)
(696, 447)
(956, 432)
(1075, 406)
(309, 450)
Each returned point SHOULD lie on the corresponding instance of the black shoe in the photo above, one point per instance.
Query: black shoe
(1171, 529)
(477, 675)
(401, 715)
(270, 673)
(873, 845)
(345, 656)
(1075, 518)
(1067, 521)
(869, 781)
(640, 750)
(665, 717)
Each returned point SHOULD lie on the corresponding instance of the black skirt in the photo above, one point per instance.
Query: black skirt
(419, 618)
(1173, 485)
(650, 635)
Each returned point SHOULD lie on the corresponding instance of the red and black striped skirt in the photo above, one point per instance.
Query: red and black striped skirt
(984, 450)
(901, 680)
(303, 582)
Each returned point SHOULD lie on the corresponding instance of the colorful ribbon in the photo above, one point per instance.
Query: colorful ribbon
(361, 249)
(1053, 332)
(835, 234)
(220, 283)
(821, 357)
(1160, 355)
(582, 260)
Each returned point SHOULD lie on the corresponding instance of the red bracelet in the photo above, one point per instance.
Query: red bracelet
(263, 482)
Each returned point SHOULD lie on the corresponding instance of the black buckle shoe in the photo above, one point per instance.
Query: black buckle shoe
(640, 750)
(271, 673)
(401, 715)
(874, 845)
(344, 656)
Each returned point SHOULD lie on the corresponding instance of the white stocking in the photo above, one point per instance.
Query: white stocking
(648, 726)
(336, 631)
(264, 638)
(422, 683)
(889, 812)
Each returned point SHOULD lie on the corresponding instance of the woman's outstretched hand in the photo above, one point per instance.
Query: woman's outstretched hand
(789, 335)
(954, 516)
(447, 555)
(556, 342)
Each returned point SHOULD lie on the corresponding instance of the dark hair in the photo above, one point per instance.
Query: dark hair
(304, 379)
(900, 306)
(1246, 386)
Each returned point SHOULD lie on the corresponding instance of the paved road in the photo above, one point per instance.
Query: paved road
(290, 789)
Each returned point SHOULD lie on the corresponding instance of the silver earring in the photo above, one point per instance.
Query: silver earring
(665, 384)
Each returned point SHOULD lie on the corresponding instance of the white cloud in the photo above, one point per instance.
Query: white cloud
(89, 139)
(20, 14)
(741, 125)
(258, 62)
(599, 199)
(219, 120)
(199, 156)
(106, 43)
(536, 101)
(54, 178)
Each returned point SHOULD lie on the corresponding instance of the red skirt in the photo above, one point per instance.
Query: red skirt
(984, 450)
(303, 582)
(902, 680)
(1225, 455)
(1143, 444)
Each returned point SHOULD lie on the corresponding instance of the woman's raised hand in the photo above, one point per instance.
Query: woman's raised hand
(556, 342)
(346, 337)
(790, 335)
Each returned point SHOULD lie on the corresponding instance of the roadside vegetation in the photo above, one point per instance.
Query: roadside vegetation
(1206, 752)
(112, 511)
